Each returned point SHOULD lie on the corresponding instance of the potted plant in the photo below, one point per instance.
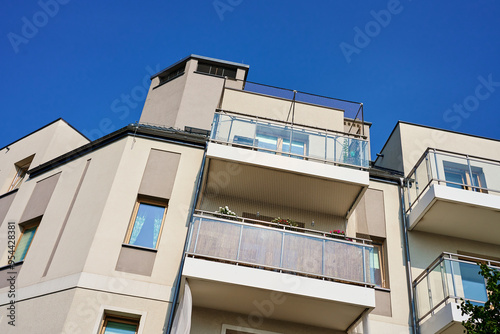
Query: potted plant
(287, 223)
(337, 233)
(224, 212)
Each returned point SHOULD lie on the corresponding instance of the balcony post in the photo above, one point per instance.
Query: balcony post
(436, 165)
(282, 248)
(470, 174)
(427, 167)
(364, 263)
(443, 278)
(254, 132)
(323, 258)
(335, 149)
(326, 145)
(197, 235)
(239, 244)
(453, 278)
(429, 292)
(230, 129)
(408, 192)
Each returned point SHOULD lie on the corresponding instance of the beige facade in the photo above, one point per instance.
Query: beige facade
(234, 207)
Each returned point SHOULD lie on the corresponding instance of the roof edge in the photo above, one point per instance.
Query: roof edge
(193, 56)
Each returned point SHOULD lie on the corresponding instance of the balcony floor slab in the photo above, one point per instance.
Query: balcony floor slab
(448, 320)
(281, 296)
(458, 213)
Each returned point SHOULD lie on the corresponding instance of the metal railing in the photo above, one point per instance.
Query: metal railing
(453, 170)
(450, 278)
(289, 140)
(280, 248)
(352, 109)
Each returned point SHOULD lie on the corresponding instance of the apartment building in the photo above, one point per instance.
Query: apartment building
(236, 207)
(451, 206)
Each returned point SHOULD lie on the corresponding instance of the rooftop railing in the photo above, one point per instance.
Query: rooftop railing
(289, 140)
(269, 246)
(450, 278)
(453, 170)
(352, 110)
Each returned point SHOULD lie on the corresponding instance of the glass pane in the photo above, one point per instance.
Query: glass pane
(230, 73)
(147, 225)
(267, 142)
(486, 175)
(376, 265)
(473, 284)
(113, 327)
(436, 285)
(297, 147)
(203, 68)
(24, 243)
(422, 297)
(303, 253)
(261, 246)
(454, 177)
(343, 260)
(218, 239)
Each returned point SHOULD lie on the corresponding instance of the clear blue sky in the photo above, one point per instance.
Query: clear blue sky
(435, 63)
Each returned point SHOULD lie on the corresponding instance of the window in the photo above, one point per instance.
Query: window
(117, 325)
(217, 70)
(278, 139)
(146, 223)
(172, 74)
(21, 170)
(378, 264)
(24, 243)
(459, 176)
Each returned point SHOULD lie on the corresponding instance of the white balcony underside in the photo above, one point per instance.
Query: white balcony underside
(448, 320)
(458, 213)
(281, 180)
(276, 295)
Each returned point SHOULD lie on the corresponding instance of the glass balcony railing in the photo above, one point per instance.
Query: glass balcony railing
(453, 170)
(450, 278)
(265, 245)
(289, 140)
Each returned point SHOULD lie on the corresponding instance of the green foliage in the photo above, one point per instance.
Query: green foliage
(484, 319)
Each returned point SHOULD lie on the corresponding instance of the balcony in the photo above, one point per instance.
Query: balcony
(286, 164)
(325, 280)
(442, 286)
(446, 192)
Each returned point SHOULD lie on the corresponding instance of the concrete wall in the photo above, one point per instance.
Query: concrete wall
(278, 109)
(201, 97)
(391, 314)
(83, 226)
(189, 100)
(163, 102)
(409, 142)
(46, 143)
(393, 155)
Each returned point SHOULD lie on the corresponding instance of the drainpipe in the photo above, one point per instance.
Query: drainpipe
(408, 261)
(181, 267)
